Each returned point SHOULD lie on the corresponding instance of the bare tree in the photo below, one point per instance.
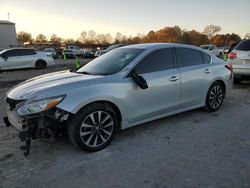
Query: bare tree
(118, 37)
(92, 36)
(247, 36)
(69, 41)
(41, 38)
(23, 37)
(83, 36)
(55, 38)
(108, 38)
(211, 30)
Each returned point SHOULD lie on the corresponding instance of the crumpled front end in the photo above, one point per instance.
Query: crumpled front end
(33, 126)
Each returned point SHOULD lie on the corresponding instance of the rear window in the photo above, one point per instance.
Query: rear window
(243, 45)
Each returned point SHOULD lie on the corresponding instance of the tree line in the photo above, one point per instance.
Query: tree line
(167, 34)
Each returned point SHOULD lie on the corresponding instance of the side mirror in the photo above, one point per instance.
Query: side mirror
(4, 57)
(139, 80)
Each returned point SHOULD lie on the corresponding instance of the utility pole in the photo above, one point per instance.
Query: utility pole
(8, 16)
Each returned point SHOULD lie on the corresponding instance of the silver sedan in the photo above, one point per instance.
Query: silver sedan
(123, 88)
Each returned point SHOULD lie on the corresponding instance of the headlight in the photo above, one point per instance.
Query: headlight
(39, 106)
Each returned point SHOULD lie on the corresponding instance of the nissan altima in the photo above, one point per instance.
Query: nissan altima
(125, 87)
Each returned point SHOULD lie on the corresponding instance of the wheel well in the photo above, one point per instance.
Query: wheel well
(223, 85)
(112, 105)
(41, 60)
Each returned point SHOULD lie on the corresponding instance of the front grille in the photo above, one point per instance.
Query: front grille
(12, 103)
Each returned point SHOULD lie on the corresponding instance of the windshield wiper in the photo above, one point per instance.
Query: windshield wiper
(85, 72)
(88, 73)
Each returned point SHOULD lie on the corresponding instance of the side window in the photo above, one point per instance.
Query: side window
(157, 60)
(11, 53)
(189, 57)
(206, 58)
(24, 52)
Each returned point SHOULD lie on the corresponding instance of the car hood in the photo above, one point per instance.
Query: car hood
(51, 84)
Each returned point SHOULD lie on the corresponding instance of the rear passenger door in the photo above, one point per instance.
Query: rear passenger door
(196, 73)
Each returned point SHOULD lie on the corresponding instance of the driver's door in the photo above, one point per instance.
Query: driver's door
(163, 92)
(9, 59)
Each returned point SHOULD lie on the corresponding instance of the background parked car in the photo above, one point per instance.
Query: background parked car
(52, 51)
(69, 54)
(88, 54)
(16, 58)
(239, 57)
(219, 52)
(76, 50)
(101, 52)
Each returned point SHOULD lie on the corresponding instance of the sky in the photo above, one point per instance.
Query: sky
(68, 18)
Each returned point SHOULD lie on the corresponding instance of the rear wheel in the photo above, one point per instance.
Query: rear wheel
(40, 64)
(93, 127)
(215, 97)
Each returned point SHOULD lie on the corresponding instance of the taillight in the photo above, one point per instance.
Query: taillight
(232, 55)
(229, 67)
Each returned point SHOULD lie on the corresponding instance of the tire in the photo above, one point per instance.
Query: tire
(40, 64)
(215, 97)
(93, 127)
(237, 80)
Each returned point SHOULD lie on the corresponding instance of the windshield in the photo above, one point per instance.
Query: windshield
(111, 62)
(2, 51)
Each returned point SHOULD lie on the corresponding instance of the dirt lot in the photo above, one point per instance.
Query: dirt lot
(192, 149)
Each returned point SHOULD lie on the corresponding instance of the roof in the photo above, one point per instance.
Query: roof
(4, 50)
(6, 22)
(155, 45)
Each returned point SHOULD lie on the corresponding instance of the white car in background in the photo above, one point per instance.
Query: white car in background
(17, 58)
(76, 50)
(219, 52)
(52, 51)
(239, 57)
(112, 47)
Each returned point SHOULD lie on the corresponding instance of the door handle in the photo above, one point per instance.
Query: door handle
(207, 70)
(174, 78)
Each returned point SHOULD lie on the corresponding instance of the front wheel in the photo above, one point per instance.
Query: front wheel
(40, 64)
(215, 97)
(93, 127)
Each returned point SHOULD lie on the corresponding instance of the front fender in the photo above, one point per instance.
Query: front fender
(79, 98)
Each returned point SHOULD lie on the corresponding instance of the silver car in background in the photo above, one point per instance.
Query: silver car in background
(240, 60)
(123, 88)
(17, 58)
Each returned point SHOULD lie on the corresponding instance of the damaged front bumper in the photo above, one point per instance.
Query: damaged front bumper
(41, 125)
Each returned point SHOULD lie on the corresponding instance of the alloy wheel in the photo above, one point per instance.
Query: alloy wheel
(215, 97)
(96, 129)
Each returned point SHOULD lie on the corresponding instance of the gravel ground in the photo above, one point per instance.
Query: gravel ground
(191, 149)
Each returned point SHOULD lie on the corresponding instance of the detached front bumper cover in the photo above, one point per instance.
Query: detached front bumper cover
(24, 136)
(36, 126)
